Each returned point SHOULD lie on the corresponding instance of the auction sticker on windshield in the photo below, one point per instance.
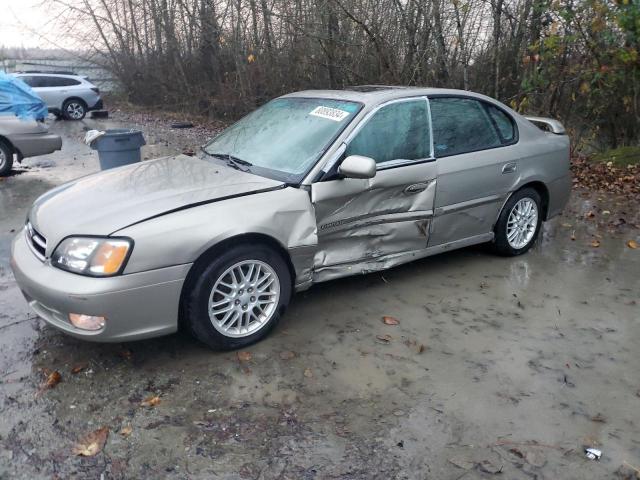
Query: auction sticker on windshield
(329, 113)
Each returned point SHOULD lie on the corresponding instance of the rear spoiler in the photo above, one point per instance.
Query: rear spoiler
(551, 125)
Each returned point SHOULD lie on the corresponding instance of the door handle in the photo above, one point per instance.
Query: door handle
(417, 187)
(510, 167)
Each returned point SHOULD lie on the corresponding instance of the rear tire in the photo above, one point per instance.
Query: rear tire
(6, 159)
(519, 223)
(74, 109)
(226, 314)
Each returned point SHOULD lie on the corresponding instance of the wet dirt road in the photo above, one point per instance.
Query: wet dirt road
(498, 367)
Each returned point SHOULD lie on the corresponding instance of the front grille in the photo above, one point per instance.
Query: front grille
(36, 241)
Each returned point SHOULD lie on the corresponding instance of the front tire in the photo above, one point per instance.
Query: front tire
(519, 223)
(74, 109)
(6, 159)
(238, 298)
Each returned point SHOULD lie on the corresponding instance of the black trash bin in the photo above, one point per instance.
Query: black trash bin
(118, 146)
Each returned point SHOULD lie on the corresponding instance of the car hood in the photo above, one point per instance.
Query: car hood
(106, 202)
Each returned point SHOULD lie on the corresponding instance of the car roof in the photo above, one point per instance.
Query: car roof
(376, 94)
(75, 76)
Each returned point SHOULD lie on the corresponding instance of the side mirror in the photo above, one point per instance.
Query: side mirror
(357, 166)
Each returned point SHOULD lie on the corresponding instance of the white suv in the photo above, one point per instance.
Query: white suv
(66, 95)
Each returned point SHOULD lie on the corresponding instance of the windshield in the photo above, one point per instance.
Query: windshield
(284, 138)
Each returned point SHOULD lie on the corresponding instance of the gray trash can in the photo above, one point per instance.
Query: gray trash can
(118, 146)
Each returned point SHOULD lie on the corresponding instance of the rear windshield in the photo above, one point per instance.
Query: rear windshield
(285, 138)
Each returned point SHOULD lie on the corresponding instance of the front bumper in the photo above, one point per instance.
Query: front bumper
(137, 306)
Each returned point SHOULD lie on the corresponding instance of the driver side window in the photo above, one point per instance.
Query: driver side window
(398, 131)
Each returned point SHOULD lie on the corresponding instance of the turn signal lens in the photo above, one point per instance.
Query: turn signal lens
(109, 257)
(87, 322)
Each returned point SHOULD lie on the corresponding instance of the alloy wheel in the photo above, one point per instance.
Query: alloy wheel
(522, 223)
(75, 110)
(244, 298)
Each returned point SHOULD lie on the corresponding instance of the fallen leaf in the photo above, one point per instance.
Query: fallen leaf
(632, 244)
(385, 339)
(308, 373)
(78, 368)
(595, 243)
(589, 214)
(92, 443)
(462, 463)
(150, 401)
(390, 320)
(244, 356)
(126, 431)
(53, 379)
(287, 355)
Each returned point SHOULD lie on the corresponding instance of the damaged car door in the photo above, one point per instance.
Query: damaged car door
(369, 224)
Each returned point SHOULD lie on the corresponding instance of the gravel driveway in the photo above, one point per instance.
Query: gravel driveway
(504, 366)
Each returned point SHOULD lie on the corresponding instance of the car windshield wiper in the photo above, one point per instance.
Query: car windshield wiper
(233, 162)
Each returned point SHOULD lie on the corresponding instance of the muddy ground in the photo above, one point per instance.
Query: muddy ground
(499, 367)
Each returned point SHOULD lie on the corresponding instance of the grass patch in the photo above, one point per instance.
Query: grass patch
(620, 157)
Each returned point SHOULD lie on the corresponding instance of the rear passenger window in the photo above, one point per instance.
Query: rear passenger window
(504, 123)
(57, 82)
(399, 131)
(68, 82)
(49, 82)
(461, 125)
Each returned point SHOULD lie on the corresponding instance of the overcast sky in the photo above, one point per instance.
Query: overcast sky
(22, 20)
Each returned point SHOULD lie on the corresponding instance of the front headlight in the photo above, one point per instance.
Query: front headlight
(96, 257)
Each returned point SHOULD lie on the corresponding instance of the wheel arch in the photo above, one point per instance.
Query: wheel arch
(543, 191)
(79, 99)
(540, 187)
(8, 143)
(13, 148)
(241, 239)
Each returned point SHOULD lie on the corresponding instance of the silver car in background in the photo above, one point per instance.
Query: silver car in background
(66, 95)
(313, 186)
(20, 138)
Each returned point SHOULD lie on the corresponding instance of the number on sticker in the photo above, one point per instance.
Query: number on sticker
(329, 113)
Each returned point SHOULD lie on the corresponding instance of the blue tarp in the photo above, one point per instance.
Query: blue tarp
(17, 98)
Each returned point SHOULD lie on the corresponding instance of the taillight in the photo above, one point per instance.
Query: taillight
(96, 89)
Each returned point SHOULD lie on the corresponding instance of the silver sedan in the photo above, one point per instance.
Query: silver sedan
(312, 186)
(24, 138)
